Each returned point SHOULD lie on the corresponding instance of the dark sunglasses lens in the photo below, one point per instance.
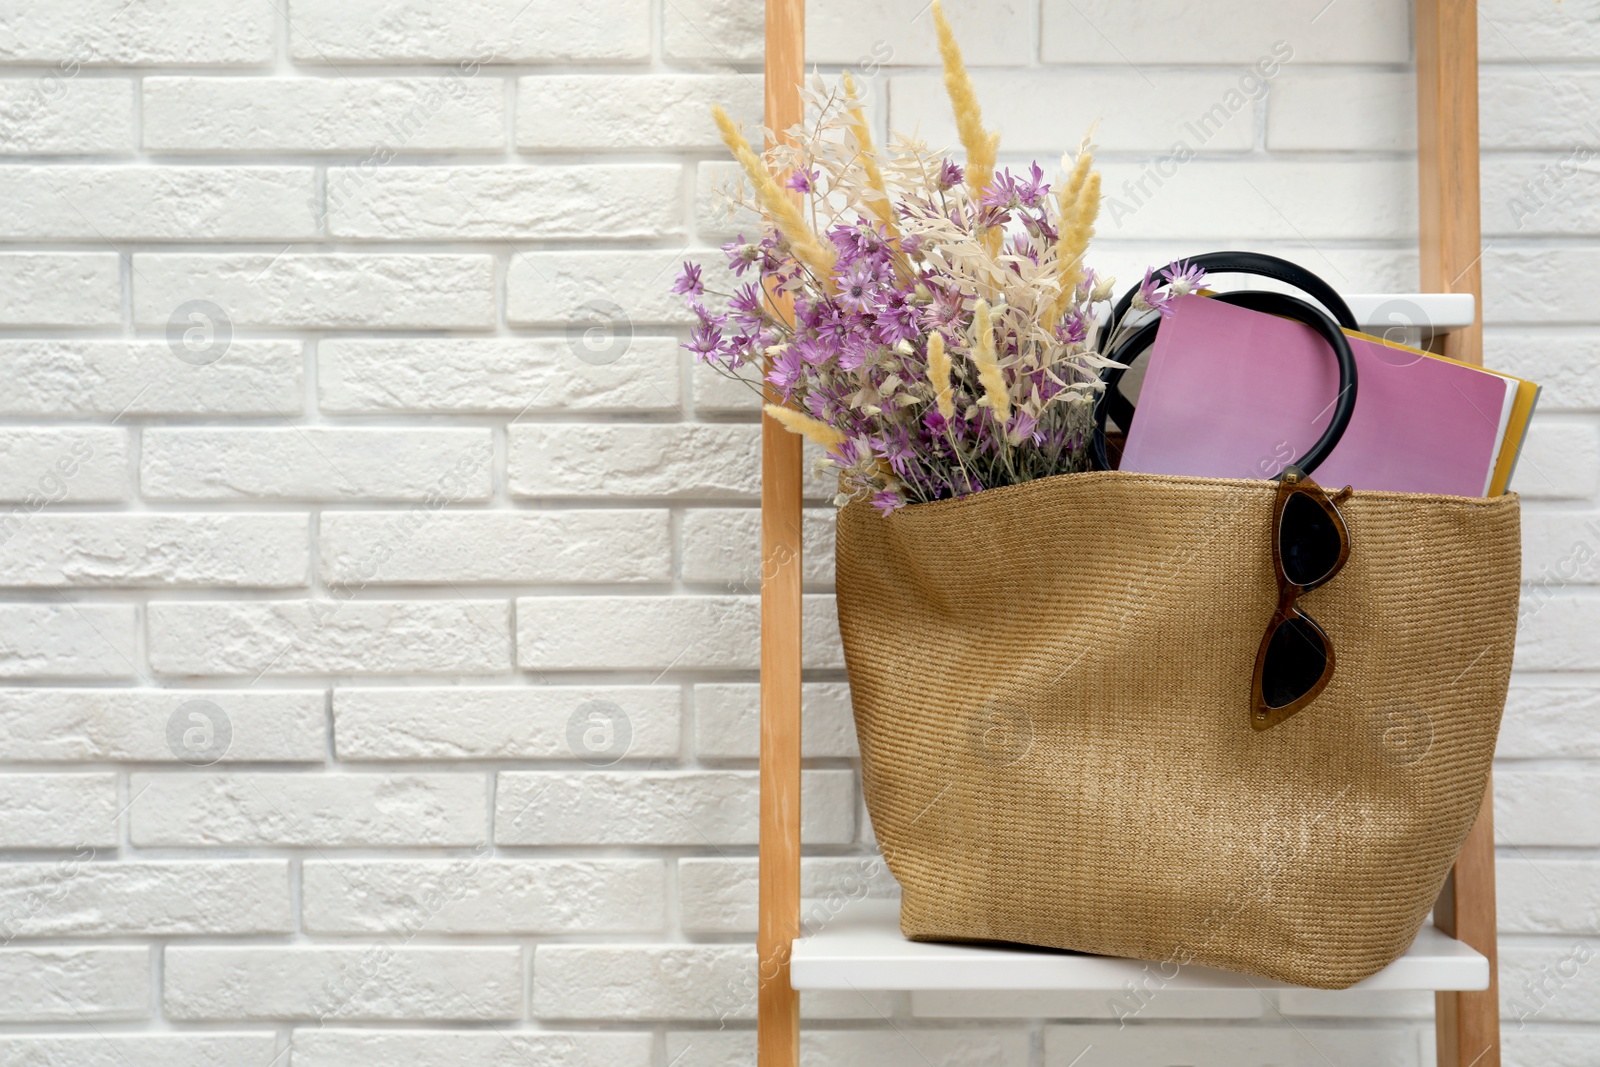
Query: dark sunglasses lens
(1296, 658)
(1308, 540)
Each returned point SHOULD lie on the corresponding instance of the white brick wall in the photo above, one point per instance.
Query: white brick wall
(377, 578)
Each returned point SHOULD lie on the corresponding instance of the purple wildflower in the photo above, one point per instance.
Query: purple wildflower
(894, 445)
(896, 318)
(814, 350)
(887, 501)
(803, 180)
(745, 303)
(858, 284)
(1150, 294)
(784, 373)
(1038, 225)
(1001, 193)
(1022, 248)
(741, 256)
(945, 310)
(830, 325)
(1183, 278)
(855, 352)
(742, 348)
(705, 340)
(773, 248)
(827, 402)
(1073, 330)
(818, 403)
(950, 175)
(688, 282)
(861, 241)
(1023, 426)
(706, 317)
(852, 450)
(1007, 192)
(1035, 189)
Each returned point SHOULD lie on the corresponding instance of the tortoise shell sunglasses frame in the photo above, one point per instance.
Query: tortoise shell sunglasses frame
(1310, 544)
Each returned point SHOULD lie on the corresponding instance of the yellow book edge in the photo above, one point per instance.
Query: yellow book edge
(1516, 426)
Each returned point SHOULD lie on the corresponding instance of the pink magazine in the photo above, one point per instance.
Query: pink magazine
(1232, 393)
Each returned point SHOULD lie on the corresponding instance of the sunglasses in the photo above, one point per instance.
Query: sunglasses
(1309, 546)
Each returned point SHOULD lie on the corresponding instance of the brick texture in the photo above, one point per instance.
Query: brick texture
(379, 617)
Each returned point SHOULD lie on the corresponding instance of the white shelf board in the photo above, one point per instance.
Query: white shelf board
(1441, 312)
(861, 947)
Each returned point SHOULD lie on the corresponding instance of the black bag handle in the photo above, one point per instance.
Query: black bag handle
(1114, 404)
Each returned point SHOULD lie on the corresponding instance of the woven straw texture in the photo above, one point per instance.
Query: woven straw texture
(1052, 693)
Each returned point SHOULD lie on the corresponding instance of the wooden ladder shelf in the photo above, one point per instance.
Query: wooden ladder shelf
(861, 947)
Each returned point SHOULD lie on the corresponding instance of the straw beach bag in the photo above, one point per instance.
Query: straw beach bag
(1052, 688)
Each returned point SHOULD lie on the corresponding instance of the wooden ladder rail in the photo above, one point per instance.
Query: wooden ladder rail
(778, 875)
(1467, 1024)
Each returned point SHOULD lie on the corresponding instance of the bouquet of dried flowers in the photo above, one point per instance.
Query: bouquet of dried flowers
(928, 323)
